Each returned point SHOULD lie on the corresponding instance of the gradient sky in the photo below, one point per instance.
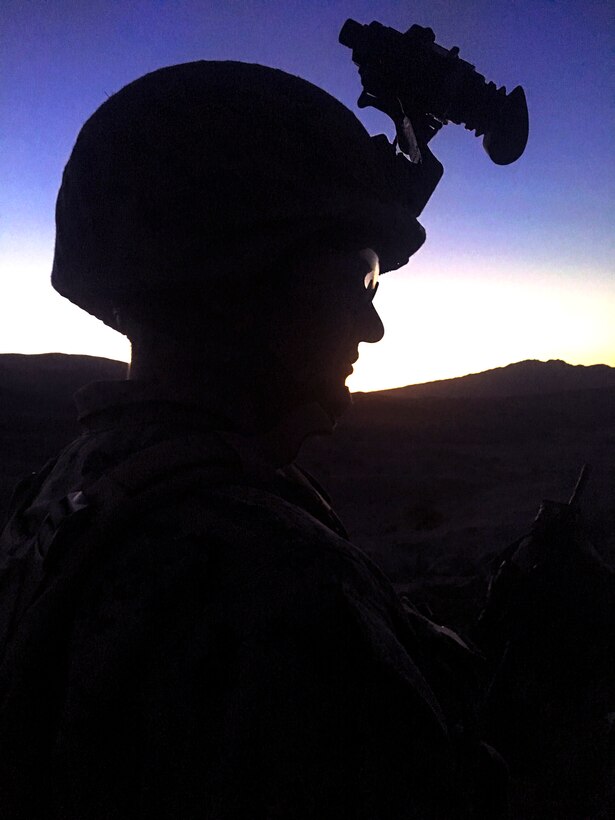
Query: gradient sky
(519, 261)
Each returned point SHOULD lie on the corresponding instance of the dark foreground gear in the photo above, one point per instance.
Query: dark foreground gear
(192, 635)
(211, 169)
(548, 629)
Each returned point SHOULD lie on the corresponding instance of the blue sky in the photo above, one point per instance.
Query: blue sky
(519, 261)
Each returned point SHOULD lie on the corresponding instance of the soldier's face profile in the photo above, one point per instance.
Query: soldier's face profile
(332, 311)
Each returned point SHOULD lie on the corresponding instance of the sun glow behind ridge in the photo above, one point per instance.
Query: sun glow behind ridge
(437, 324)
(440, 326)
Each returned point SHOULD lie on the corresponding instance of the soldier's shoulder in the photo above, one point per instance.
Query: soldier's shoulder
(255, 527)
(244, 546)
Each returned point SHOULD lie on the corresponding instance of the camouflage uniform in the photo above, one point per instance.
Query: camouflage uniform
(229, 654)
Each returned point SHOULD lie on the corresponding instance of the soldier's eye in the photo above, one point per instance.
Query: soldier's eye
(371, 277)
(371, 280)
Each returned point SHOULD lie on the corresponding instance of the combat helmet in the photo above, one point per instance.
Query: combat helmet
(203, 169)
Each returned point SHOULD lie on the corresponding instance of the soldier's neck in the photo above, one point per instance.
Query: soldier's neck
(249, 407)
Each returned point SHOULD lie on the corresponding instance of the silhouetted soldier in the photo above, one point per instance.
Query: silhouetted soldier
(187, 631)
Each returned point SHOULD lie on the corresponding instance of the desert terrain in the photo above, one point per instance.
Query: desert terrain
(431, 480)
(434, 480)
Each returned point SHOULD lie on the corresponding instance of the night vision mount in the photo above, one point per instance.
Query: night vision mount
(423, 86)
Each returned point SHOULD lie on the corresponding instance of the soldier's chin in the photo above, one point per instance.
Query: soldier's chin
(335, 399)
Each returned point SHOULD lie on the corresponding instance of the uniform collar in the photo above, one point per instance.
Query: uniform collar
(131, 403)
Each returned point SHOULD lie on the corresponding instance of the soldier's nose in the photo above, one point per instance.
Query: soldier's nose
(370, 325)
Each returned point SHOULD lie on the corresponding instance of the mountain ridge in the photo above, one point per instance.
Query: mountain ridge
(525, 378)
(41, 372)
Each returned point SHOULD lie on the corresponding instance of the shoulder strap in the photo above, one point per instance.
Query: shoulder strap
(78, 525)
(160, 472)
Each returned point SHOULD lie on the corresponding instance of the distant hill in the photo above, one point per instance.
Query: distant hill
(432, 480)
(53, 376)
(37, 413)
(56, 376)
(527, 378)
(527, 427)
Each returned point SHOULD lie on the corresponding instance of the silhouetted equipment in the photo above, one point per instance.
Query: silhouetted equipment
(579, 486)
(163, 193)
(548, 631)
(423, 86)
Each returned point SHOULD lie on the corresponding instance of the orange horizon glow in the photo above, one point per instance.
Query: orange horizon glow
(440, 327)
(437, 326)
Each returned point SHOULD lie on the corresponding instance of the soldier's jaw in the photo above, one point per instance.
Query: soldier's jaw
(333, 395)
